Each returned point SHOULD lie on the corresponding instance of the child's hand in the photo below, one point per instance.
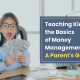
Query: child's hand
(22, 58)
(10, 60)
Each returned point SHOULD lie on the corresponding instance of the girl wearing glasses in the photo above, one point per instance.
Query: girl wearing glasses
(9, 29)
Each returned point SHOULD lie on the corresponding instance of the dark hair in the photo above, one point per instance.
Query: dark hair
(5, 16)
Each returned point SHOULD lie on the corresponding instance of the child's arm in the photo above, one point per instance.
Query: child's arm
(2, 65)
(10, 60)
(25, 60)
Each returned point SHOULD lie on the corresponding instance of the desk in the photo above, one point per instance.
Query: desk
(78, 76)
(25, 71)
(19, 71)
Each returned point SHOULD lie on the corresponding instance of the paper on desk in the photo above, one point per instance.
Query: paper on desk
(71, 73)
(46, 67)
(67, 77)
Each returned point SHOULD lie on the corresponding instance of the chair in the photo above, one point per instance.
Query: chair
(23, 33)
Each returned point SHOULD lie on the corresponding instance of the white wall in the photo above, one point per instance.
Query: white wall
(61, 8)
(57, 7)
(76, 11)
(27, 12)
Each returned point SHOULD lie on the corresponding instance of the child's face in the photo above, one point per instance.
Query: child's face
(8, 33)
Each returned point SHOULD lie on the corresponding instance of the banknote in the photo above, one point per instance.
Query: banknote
(16, 46)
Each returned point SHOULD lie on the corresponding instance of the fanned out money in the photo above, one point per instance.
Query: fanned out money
(16, 46)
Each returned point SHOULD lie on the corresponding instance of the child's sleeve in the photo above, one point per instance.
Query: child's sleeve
(27, 54)
(2, 65)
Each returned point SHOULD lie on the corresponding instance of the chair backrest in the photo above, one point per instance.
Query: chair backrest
(23, 33)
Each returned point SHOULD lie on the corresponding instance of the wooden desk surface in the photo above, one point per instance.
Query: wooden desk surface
(22, 70)
(77, 78)
(25, 71)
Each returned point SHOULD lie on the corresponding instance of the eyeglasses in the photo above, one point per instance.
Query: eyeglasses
(6, 26)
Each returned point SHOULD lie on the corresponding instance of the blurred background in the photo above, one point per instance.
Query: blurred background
(28, 13)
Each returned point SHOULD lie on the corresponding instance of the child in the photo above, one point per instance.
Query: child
(9, 29)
